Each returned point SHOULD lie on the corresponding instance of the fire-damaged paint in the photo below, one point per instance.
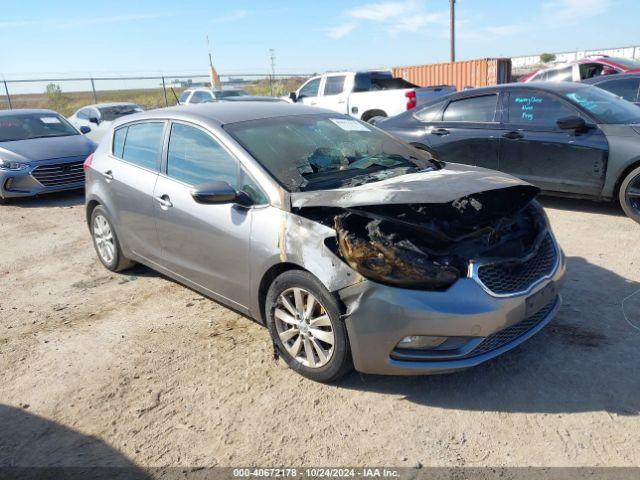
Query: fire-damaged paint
(391, 258)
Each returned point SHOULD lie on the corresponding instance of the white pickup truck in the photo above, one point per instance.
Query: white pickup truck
(366, 94)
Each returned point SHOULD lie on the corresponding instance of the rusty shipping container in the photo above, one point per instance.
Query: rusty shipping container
(468, 73)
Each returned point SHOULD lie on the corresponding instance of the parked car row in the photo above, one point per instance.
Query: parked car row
(395, 252)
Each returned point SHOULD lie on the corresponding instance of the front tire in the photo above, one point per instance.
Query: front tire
(629, 195)
(106, 242)
(304, 322)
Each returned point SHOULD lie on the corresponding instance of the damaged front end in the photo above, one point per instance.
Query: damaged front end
(428, 246)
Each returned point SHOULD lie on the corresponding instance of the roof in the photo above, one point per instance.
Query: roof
(229, 112)
(606, 78)
(109, 104)
(544, 86)
(27, 111)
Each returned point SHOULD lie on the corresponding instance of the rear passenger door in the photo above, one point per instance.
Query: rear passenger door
(536, 150)
(468, 131)
(207, 245)
(132, 177)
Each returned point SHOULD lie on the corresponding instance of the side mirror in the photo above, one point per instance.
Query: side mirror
(572, 122)
(94, 120)
(293, 97)
(84, 129)
(218, 193)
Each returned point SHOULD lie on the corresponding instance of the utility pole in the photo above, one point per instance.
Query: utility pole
(452, 4)
(272, 58)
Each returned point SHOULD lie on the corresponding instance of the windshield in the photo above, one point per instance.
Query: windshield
(25, 126)
(605, 106)
(312, 152)
(112, 113)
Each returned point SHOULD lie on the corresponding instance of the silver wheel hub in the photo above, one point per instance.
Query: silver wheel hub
(304, 327)
(103, 237)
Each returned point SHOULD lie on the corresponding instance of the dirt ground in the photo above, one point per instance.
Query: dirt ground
(119, 369)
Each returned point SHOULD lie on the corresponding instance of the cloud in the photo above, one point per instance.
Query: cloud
(340, 31)
(379, 12)
(231, 17)
(80, 22)
(573, 11)
(393, 17)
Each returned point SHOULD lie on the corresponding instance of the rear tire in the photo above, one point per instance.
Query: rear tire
(106, 243)
(629, 195)
(304, 322)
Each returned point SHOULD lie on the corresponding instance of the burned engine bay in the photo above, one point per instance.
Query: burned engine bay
(429, 245)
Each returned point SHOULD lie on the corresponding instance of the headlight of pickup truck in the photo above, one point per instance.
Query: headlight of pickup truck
(10, 165)
(391, 261)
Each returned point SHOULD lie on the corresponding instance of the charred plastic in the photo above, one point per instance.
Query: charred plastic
(429, 246)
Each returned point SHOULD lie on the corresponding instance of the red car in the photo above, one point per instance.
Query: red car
(582, 69)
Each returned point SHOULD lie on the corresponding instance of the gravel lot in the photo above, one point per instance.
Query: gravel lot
(112, 369)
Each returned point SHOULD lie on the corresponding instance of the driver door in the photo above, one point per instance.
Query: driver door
(308, 93)
(207, 245)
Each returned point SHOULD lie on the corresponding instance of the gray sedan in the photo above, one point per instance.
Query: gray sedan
(40, 152)
(352, 247)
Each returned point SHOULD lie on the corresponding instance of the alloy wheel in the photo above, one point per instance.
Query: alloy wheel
(103, 236)
(304, 327)
(632, 194)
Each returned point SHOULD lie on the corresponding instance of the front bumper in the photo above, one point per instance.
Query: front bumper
(46, 177)
(379, 316)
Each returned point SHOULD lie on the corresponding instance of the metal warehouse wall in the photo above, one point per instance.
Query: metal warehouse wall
(469, 73)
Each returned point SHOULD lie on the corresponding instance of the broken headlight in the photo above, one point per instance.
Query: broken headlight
(386, 258)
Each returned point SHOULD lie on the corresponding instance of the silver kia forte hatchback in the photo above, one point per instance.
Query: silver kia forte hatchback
(352, 247)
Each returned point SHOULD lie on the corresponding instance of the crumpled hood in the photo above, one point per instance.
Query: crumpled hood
(38, 149)
(450, 183)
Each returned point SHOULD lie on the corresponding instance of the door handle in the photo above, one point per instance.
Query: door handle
(342, 101)
(164, 201)
(108, 175)
(439, 131)
(513, 135)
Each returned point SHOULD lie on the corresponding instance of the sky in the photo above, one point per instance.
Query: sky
(66, 38)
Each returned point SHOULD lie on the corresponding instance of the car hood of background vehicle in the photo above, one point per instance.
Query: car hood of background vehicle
(450, 183)
(37, 149)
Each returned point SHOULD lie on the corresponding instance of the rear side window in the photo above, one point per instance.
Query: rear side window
(537, 109)
(194, 158)
(475, 109)
(118, 141)
(334, 85)
(626, 88)
(432, 113)
(142, 144)
(184, 96)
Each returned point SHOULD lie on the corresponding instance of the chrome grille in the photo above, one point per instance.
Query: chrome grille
(507, 278)
(509, 334)
(59, 174)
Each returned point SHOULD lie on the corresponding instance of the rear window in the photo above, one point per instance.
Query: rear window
(184, 96)
(112, 113)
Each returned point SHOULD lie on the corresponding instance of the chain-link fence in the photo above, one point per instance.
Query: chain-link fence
(66, 95)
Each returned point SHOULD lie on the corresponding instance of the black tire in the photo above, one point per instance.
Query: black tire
(4, 201)
(630, 205)
(119, 262)
(340, 361)
(366, 116)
